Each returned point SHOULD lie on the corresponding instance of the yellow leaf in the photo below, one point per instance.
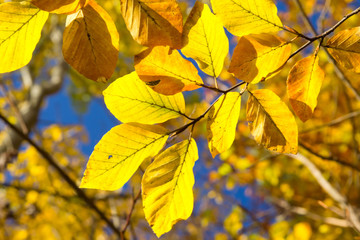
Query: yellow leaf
(271, 122)
(130, 100)
(167, 186)
(166, 71)
(221, 123)
(303, 84)
(247, 17)
(20, 30)
(345, 48)
(257, 57)
(204, 40)
(91, 42)
(119, 154)
(60, 6)
(153, 23)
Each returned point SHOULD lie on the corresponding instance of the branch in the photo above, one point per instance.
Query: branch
(333, 122)
(347, 164)
(65, 197)
(339, 72)
(30, 109)
(350, 214)
(305, 212)
(128, 218)
(52, 162)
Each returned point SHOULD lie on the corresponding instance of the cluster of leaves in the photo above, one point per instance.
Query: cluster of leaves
(152, 93)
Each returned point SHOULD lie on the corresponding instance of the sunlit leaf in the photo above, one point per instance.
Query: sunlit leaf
(222, 120)
(91, 42)
(153, 23)
(60, 6)
(303, 84)
(20, 30)
(260, 56)
(271, 122)
(167, 186)
(345, 48)
(204, 40)
(247, 17)
(166, 71)
(119, 154)
(130, 100)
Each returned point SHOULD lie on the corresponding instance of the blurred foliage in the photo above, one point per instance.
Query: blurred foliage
(247, 193)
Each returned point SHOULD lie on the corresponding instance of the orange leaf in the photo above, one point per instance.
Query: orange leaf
(259, 56)
(60, 6)
(166, 71)
(91, 42)
(154, 23)
(303, 84)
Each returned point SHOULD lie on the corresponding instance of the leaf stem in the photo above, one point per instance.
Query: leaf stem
(194, 121)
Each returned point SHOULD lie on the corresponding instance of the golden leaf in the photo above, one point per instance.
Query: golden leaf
(166, 71)
(271, 122)
(91, 42)
(247, 17)
(130, 100)
(119, 154)
(303, 84)
(221, 124)
(345, 48)
(204, 40)
(167, 186)
(257, 57)
(60, 6)
(20, 31)
(153, 23)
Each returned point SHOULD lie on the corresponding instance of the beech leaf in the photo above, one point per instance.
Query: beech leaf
(345, 48)
(167, 186)
(271, 122)
(258, 57)
(303, 85)
(130, 100)
(20, 31)
(205, 40)
(153, 23)
(119, 154)
(60, 6)
(221, 124)
(246, 17)
(91, 42)
(166, 71)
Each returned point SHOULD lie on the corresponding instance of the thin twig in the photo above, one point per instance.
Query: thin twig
(350, 213)
(52, 162)
(194, 121)
(305, 212)
(128, 218)
(340, 73)
(347, 164)
(333, 122)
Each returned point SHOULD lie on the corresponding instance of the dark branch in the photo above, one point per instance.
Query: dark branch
(52, 162)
